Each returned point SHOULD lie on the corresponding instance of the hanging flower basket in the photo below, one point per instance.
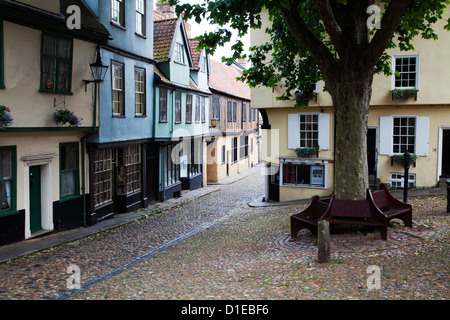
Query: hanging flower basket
(399, 158)
(307, 152)
(404, 94)
(65, 116)
(5, 117)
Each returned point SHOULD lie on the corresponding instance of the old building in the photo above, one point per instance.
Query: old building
(233, 145)
(44, 181)
(181, 107)
(419, 124)
(122, 149)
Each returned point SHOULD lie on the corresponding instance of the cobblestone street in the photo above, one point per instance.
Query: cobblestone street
(219, 247)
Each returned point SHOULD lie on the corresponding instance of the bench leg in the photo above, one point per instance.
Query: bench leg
(407, 219)
(295, 228)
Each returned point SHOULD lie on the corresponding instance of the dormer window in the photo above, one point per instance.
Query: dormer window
(179, 53)
(203, 63)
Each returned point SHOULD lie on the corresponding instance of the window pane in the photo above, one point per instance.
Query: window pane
(63, 48)
(5, 195)
(67, 183)
(63, 76)
(6, 157)
(49, 46)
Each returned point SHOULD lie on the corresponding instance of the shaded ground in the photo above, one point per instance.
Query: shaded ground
(248, 254)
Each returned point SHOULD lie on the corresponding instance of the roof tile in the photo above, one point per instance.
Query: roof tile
(223, 78)
(163, 34)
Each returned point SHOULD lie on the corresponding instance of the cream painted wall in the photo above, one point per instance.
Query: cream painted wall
(433, 102)
(29, 108)
(279, 121)
(218, 171)
(426, 169)
(434, 72)
(29, 144)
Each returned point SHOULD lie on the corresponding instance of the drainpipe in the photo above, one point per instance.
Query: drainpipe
(83, 177)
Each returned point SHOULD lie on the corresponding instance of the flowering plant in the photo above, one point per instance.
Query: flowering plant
(307, 152)
(66, 116)
(5, 117)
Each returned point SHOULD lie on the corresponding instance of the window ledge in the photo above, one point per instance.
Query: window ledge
(304, 186)
(115, 24)
(141, 35)
(68, 198)
(8, 212)
(68, 93)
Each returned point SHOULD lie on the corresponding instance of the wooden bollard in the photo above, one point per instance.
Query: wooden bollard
(323, 241)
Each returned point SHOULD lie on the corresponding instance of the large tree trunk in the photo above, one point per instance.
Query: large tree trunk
(351, 95)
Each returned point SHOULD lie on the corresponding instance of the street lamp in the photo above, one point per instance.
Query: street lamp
(98, 70)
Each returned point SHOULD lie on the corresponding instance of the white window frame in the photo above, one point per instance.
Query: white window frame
(307, 140)
(394, 58)
(422, 140)
(140, 17)
(179, 53)
(118, 12)
(294, 130)
(139, 87)
(311, 163)
(398, 180)
(400, 135)
(118, 79)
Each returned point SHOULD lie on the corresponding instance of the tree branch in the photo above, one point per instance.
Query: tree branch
(312, 44)
(390, 22)
(330, 23)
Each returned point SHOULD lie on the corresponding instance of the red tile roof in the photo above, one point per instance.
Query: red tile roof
(223, 78)
(163, 34)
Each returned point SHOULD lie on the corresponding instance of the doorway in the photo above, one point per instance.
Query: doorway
(35, 199)
(152, 172)
(274, 182)
(446, 153)
(372, 151)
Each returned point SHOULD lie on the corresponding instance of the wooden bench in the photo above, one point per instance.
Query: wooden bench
(390, 207)
(309, 218)
(376, 211)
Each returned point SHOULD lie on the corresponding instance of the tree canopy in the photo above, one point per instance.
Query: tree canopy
(330, 40)
(309, 37)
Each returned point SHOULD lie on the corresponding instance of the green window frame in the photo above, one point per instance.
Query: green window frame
(8, 180)
(56, 64)
(2, 66)
(69, 170)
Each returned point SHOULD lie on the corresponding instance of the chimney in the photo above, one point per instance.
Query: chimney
(188, 29)
(167, 10)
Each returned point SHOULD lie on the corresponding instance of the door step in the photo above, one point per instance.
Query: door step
(39, 233)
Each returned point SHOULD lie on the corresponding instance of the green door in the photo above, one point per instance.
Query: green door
(35, 199)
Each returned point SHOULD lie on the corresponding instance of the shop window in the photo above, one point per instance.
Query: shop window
(303, 175)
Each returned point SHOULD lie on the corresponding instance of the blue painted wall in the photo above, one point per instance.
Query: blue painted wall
(130, 127)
